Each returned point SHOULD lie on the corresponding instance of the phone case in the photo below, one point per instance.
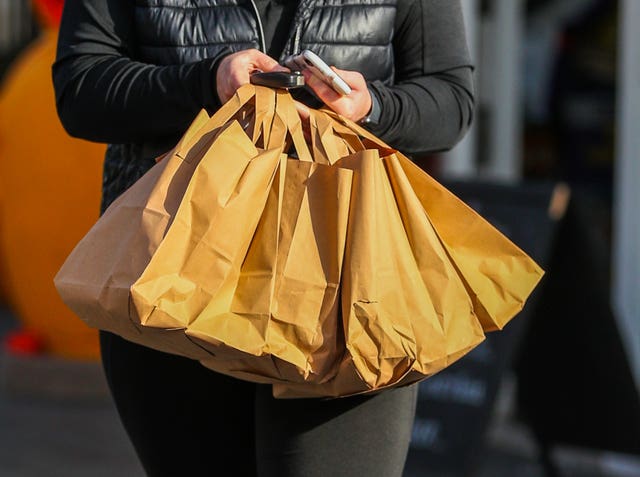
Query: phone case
(278, 79)
(307, 59)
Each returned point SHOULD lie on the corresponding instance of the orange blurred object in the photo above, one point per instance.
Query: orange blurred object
(50, 198)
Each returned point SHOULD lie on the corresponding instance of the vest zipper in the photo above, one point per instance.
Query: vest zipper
(296, 40)
(263, 43)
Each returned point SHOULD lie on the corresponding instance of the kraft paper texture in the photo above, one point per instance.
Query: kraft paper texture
(337, 269)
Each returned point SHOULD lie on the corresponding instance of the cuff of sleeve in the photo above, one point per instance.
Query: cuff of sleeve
(373, 118)
(210, 100)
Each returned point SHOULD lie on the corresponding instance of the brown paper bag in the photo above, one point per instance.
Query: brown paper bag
(202, 252)
(282, 320)
(406, 313)
(498, 275)
(410, 307)
(262, 297)
(96, 279)
(347, 270)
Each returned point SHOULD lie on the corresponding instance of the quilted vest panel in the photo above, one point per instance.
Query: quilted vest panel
(185, 31)
(353, 34)
(350, 34)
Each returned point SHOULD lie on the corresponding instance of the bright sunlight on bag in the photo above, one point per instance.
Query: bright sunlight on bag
(337, 269)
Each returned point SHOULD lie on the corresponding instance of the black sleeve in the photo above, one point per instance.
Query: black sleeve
(104, 95)
(430, 106)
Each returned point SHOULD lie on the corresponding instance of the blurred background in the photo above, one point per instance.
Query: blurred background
(551, 161)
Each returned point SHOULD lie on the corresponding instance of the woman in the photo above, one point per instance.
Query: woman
(134, 74)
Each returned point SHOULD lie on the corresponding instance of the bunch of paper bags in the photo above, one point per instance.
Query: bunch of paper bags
(343, 270)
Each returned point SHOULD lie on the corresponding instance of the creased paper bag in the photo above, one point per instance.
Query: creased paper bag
(326, 269)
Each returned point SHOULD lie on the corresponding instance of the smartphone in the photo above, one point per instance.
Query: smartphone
(307, 59)
(278, 79)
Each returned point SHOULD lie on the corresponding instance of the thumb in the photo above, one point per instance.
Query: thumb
(266, 63)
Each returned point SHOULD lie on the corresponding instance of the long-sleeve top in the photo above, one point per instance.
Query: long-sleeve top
(104, 94)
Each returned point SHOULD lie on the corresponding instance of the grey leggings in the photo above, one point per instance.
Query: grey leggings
(185, 420)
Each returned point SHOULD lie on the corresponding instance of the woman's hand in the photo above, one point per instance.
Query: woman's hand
(354, 106)
(234, 71)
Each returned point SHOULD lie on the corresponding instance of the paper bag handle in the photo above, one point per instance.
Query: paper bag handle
(287, 112)
(275, 116)
(223, 115)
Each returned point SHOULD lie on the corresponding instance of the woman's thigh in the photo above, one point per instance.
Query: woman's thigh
(346, 437)
(182, 418)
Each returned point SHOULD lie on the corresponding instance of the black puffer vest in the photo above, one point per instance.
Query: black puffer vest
(350, 34)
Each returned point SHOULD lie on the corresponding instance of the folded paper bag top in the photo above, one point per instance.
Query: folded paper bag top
(344, 270)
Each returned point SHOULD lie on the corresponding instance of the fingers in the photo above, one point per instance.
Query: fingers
(325, 92)
(235, 70)
(266, 63)
(350, 77)
(355, 105)
(303, 110)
